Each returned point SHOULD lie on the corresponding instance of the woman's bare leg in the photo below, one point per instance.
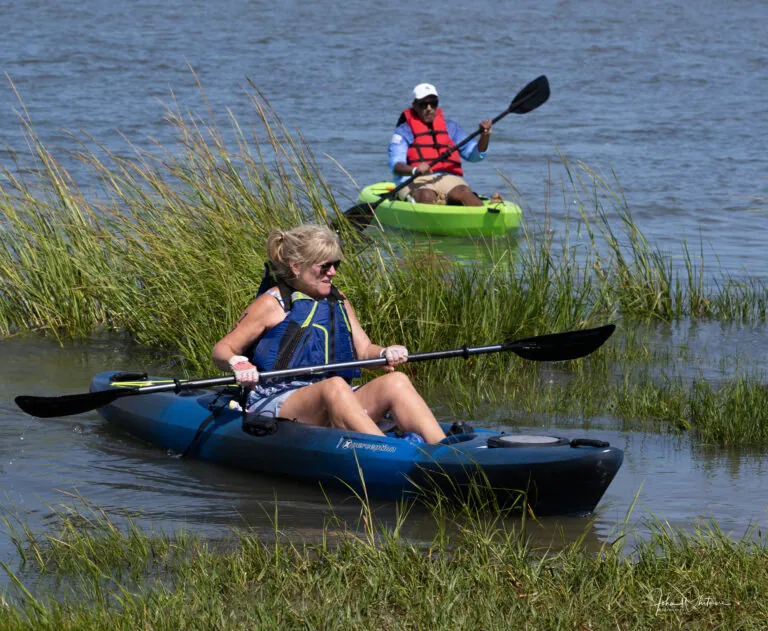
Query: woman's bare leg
(329, 402)
(395, 393)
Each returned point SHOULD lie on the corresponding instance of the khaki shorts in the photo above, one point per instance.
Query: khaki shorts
(441, 183)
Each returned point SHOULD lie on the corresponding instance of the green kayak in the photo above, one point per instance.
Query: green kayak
(490, 219)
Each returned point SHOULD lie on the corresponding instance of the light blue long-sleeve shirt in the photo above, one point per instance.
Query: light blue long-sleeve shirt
(403, 137)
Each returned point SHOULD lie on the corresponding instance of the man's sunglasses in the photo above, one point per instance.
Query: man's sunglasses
(326, 267)
(423, 104)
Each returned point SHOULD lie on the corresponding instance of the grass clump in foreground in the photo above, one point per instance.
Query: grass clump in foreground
(91, 573)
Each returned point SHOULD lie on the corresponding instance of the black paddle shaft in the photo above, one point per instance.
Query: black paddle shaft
(529, 98)
(552, 347)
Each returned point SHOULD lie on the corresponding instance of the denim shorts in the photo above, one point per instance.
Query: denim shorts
(266, 400)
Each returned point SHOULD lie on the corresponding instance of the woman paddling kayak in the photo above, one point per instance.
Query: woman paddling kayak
(303, 320)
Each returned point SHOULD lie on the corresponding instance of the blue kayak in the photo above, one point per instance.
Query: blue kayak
(557, 475)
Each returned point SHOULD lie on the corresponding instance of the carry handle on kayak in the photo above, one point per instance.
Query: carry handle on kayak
(552, 347)
(528, 99)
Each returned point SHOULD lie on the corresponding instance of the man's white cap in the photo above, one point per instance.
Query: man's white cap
(423, 90)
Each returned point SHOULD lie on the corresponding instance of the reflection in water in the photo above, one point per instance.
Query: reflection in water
(471, 251)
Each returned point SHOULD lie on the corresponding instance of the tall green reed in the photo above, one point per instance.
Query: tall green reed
(640, 280)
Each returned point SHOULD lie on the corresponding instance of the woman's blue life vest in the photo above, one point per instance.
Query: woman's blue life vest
(313, 333)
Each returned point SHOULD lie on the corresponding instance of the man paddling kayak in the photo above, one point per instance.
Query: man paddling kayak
(421, 135)
(303, 320)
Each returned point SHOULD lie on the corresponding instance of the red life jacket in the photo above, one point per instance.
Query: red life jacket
(429, 142)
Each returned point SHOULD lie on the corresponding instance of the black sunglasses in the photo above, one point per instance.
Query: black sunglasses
(423, 104)
(325, 267)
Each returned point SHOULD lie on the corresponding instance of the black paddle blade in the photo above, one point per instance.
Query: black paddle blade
(360, 216)
(559, 347)
(531, 96)
(49, 407)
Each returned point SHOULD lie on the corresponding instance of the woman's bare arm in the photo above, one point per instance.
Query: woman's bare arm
(263, 313)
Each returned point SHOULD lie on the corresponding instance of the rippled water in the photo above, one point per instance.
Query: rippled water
(671, 96)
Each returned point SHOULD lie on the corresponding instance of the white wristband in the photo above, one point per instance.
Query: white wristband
(383, 350)
(415, 170)
(237, 359)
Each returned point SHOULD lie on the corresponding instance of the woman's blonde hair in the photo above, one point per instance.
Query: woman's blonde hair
(304, 246)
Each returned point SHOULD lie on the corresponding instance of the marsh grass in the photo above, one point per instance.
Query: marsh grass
(165, 247)
(635, 277)
(482, 572)
(733, 413)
